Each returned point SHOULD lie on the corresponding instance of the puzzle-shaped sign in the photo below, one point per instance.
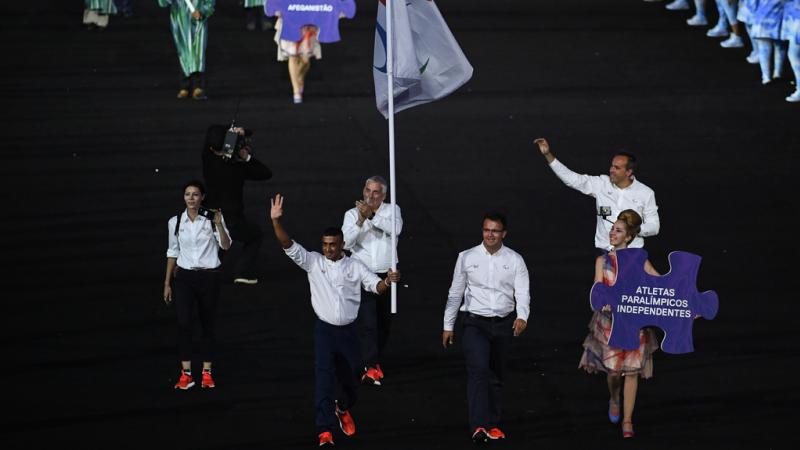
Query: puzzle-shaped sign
(670, 301)
(322, 13)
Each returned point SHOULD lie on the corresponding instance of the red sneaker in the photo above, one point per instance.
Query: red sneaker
(185, 381)
(346, 422)
(208, 381)
(496, 433)
(326, 439)
(371, 376)
(379, 371)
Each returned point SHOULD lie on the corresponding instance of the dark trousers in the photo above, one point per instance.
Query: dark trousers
(196, 289)
(486, 343)
(336, 370)
(194, 80)
(255, 15)
(250, 236)
(374, 322)
(125, 7)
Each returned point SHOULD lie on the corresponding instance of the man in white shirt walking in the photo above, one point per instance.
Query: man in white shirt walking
(614, 193)
(335, 282)
(367, 230)
(491, 286)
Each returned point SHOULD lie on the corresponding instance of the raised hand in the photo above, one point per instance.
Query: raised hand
(544, 147)
(276, 207)
(363, 209)
(217, 216)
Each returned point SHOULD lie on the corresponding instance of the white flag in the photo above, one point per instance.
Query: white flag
(428, 63)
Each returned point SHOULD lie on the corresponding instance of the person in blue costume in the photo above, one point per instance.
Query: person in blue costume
(747, 9)
(727, 14)
(767, 31)
(790, 31)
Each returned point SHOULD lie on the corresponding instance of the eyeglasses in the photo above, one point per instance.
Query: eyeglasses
(492, 230)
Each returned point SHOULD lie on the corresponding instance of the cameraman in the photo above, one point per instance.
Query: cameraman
(225, 171)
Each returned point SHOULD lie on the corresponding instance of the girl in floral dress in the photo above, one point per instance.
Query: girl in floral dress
(623, 367)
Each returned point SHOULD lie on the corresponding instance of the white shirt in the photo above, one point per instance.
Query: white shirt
(197, 245)
(372, 242)
(489, 284)
(335, 285)
(637, 197)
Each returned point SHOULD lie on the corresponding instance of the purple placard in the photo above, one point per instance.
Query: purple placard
(670, 301)
(322, 13)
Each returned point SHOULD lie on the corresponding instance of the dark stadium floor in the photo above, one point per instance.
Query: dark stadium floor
(96, 149)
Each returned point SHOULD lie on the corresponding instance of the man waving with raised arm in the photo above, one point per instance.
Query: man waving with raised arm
(335, 281)
(615, 192)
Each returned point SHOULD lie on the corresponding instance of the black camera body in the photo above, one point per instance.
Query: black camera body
(207, 213)
(233, 143)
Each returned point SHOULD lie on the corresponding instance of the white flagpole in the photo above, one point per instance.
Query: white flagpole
(392, 190)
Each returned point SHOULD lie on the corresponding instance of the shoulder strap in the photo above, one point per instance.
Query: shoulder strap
(178, 223)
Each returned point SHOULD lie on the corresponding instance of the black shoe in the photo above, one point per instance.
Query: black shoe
(479, 436)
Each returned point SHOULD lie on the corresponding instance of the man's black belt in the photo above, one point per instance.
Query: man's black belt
(197, 269)
(488, 319)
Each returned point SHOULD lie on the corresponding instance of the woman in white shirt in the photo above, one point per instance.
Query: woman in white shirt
(192, 280)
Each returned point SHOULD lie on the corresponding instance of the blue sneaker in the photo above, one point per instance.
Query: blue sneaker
(697, 20)
(677, 5)
(719, 30)
(733, 41)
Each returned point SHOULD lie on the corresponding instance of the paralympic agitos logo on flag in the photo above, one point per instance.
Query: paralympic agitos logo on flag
(427, 62)
(380, 31)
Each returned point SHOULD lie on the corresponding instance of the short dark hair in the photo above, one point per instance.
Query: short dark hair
(495, 216)
(333, 231)
(631, 164)
(215, 137)
(195, 183)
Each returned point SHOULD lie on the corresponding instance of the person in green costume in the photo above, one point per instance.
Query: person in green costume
(189, 23)
(96, 12)
(254, 14)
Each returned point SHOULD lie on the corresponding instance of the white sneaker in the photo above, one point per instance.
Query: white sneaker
(794, 98)
(678, 5)
(752, 58)
(697, 21)
(733, 41)
(720, 30)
